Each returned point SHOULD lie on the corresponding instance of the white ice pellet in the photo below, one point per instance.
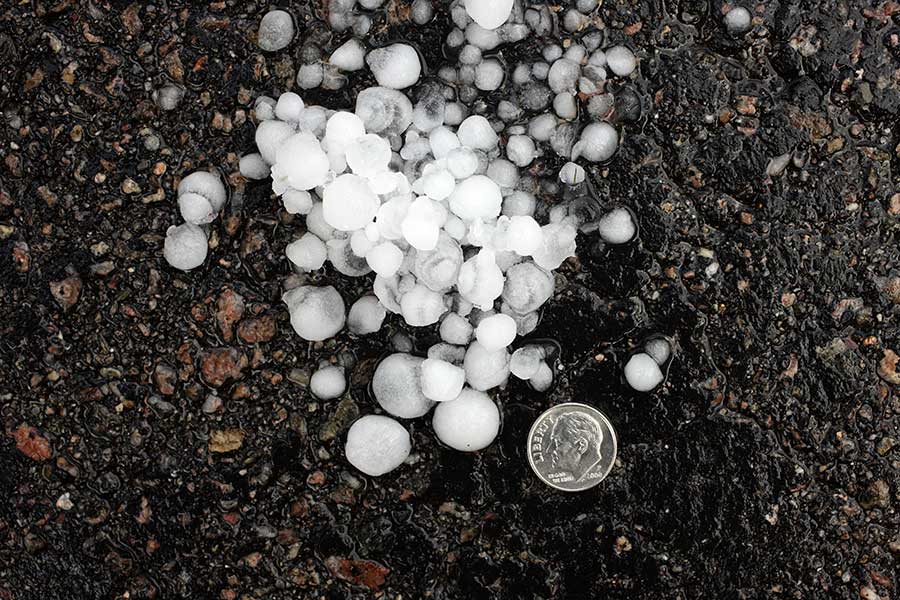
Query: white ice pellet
(469, 423)
(310, 76)
(422, 306)
(489, 75)
(524, 235)
(557, 244)
(264, 108)
(341, 256)
(328, 383)
(527, 287)
(369, 155)
(297, 202)
(396, 66)
(385, 259)
(196, 209)
(348, 203)
(454, 113)
(289, 107)
(565, 106)
(422, 12)
(441, 380)
(480, 279)
(269, 137)
(276, 30)
(476, 197)
(503, 172)
(201, 196)
(252, 166)
(350, 56)
(489, 14)
(185, 247)
(315, 223)
(476, 132)
(598, 142)
(519, 204)
(572, 174)
(621, 61)
(317, 313)
(421, 226)
(542, 378)
(366, 316)
(377, 445)
(542, 126)
(485, 368)
(384, 110)
(343, 129)
(439, 184)
(563, 75)
(520, 150)
(456, 329)
(308, 253)
(617, 227)
(737, 20)
(496, 332)
(397, 386)
(300, 162)
(525, 362)
(659, 350)
(439, 268)
(442, 141)
(462, 162)
(642, 372)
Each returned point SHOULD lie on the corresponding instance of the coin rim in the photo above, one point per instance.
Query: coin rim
(615, 440)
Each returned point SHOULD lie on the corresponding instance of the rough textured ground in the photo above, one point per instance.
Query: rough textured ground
(158, 444)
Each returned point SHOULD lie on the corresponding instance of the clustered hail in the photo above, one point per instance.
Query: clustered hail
(442, 211)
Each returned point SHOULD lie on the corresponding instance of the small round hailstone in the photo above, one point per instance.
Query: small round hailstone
(525, 235)
(252, 166)
(342, 129)
(469, 423)
(168, 97)
(659, 349)
(270, 135)
(366, 316)
(377, 445)
(565, 106)
(348, 203)
(317, 313)
(489, 75)
(456, 329)
(441, 381)
(598, 142)
(617, 226)
(315, 223)
(196, 209)
(476, 132)
(297, 202)
(503, 173)
(542, 378)
(621, 61)
(496, 332)
(519, 204)
(396, 66)
(462, 162)
(289, 107)
(397, 387)
(642, 372)
(527, 287)
(480, 279)
(350, 56)
(369, 155)
(385, 259)
(476, 197)
(572, 174)
(276, 30)
(301, 162)
(489, 14)
(738, 20)
(421, 226)
(439, 184)
(485, 368)
(310, 76)
(442, 141)
(185, 246)
(308, 253)
(421, 306)
(204, 195)
(526, 361)
(520, 150)
(328, 383)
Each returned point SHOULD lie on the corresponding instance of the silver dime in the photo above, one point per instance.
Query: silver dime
(572, 447)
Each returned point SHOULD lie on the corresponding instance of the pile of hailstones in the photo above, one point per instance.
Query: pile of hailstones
(424, 198)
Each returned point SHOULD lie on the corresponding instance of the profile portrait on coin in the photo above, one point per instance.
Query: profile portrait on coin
(576, 441)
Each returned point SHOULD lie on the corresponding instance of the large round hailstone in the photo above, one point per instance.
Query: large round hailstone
(276, 30)
(496, 332)
(439, 268)
(297, 202)
(598, 142)
(185, 247)
(308, 253)
(523, 235)
(342, 129)
(421, 226)
(301, 161)
(481, 280)
(421, 306)
(200, 197)
(397, 387)
(468, 423)
(369, 155)
(384, 110)
(621, 61)
(396, 66)
(476, 132)
(390, 217)
(617, 227)
(527, 287)
(366, 316)
(289, 107)
(377, 445)
(252, 166)
(456, 329)
(526, 361)
(328, 383)
(317, 313)
(476, 197)
(489, 14)
(462, 162)
(486, 369)
(270, 135)
(642, 372)
(348, 203)
(385, 259)
(441, 380)
(350, 56)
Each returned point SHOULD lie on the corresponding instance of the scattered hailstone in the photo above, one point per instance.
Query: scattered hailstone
(468, 423)
(185, 246)
(621, 61)
(542, 379)
(317, 313)
(738, 20)
(496, 332)
(307, 253)
(441, 380)
(396, 66)
(377, 445)
(201, 196)
(526, 361)
(598, 143)
(397, 387)
(252, 166)
(642, 372)
(489, 14)
(617, 226)
(276, 30)
(328, 383)
(659, 348)
(366, 316)
(350, 56)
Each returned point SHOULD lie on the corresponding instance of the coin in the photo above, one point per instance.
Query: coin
(572, 447)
